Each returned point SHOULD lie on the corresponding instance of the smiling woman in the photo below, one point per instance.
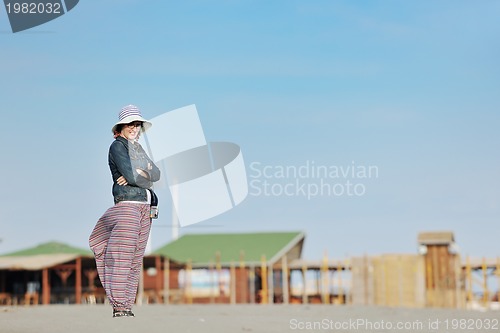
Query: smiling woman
(120, 236)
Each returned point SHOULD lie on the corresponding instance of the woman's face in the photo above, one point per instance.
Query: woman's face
(131, 131)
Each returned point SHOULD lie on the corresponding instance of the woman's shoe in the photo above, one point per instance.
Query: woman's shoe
(122, 313)
(130, 313)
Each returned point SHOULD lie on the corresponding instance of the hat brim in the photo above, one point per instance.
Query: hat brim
(127, 120)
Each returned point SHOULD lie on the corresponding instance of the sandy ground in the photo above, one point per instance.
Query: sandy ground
(244, 318)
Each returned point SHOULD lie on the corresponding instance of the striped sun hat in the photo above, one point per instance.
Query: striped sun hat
(129, 114)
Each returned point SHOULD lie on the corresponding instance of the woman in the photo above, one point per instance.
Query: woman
(120, 236)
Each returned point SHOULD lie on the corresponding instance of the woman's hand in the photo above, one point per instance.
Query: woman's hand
(121, 181)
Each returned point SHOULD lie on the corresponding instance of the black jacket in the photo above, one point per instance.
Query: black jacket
(124, 159)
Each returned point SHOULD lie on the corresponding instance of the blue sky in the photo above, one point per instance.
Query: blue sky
(411, 87)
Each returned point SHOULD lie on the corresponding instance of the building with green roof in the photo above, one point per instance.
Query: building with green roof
(50, 269)
(253, 265)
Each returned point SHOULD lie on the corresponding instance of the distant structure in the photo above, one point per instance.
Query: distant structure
(230, 268)
(261, 267)
(444, 281)
(54, 271)
(395, 280)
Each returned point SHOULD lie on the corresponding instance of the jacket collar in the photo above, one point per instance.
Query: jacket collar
(125, 141)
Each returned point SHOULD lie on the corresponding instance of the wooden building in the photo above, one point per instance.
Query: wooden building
(432, 278)
(233, 267)
(444, 278)
(395, 280)
(48, 273)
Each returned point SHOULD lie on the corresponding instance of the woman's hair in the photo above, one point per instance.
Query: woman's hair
(118, 130)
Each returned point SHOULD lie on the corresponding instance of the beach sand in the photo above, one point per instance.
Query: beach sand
(244, 318)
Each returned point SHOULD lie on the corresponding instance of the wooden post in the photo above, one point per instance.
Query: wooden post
(78, 281)
(263, 278)
(188, 291)
(317, 272)
(213, 282)
(459, 275)
(232, 286)
(304, 280)
(252, 284)
(331, 281)
(430, 281)
(243, 280)
(270, 283)
(436, 283)
(400, 280)
(166, 281)
(387, 287)
(468, 274)
(341, 290)
(366, 271)
(486, 293)
(348, 294)
(218, 267)
(285, 277)
(45, 286)
(325, 287)
(158, 280)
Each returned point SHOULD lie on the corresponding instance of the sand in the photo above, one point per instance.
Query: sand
(244, 318)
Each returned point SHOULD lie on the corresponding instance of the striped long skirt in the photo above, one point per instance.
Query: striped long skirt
(118, 241)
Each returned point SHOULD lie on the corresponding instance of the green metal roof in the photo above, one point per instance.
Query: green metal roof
(202, 248)
(50, 248)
